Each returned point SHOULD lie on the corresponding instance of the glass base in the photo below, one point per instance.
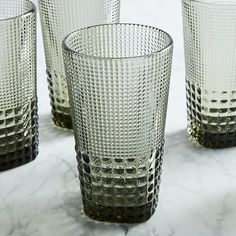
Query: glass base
(213, 140)
(61, 120)
(19, 157)
(58, 94)
(129, 215)
(116, 197)
(19, 141)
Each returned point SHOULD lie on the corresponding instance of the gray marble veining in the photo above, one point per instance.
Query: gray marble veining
(198, 189)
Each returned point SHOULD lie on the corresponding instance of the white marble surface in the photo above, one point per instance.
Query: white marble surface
(198, 190)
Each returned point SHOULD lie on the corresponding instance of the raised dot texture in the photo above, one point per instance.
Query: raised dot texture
(18, 99)
(210, 32)
(59, 18)
(119, 109)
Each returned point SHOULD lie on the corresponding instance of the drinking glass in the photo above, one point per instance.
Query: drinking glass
(59, 18)
(210, 46)
(118, 78)
(18, 100)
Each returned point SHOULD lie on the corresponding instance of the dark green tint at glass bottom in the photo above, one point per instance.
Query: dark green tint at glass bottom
(112, 199)
(210, 139)
(60, 111)
(62, 120)
(128, 215)
(18, 136)
(19, 157)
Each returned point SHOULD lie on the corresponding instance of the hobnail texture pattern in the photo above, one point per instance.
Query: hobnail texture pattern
(59, 18)
(18, 101)
(118, 78)
(209, 31)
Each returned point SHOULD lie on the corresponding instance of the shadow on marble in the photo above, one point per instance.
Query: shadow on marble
(215, 209)
(214, 216)
(198, 193)
(219, 220)
(74, 209)
(47, 130)
(181, 143)
(43, 217)
(198, 189)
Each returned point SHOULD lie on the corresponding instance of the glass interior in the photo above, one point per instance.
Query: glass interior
(118, 41)
(14, 8)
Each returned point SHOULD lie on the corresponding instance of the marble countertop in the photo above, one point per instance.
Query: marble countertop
(198, 189)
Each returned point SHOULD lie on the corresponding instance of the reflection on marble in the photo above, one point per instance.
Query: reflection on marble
(198, 193)
(198, 189)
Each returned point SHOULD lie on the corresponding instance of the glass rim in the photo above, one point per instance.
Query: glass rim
(214, 2)
(31, 9)
(66, 48)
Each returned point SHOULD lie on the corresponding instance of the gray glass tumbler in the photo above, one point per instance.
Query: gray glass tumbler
(59, 18)
(18, 100)
(118, 78)
(210, 46)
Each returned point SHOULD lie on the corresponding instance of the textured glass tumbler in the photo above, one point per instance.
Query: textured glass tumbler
(118, 78)
(210, 46)
(59, 18)
(18, 101)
